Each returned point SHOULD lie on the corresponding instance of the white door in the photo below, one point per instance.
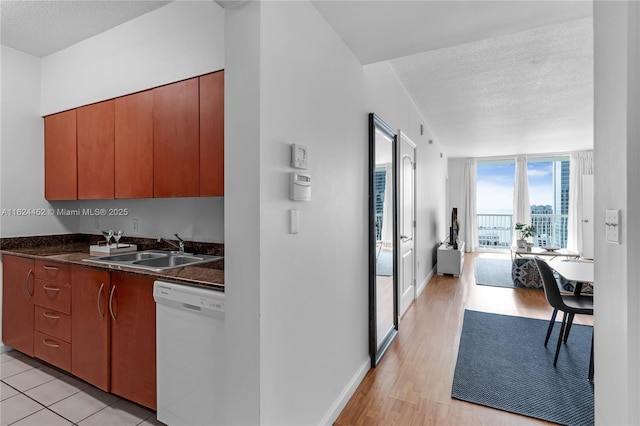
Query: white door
(587, 216)
(406, 223)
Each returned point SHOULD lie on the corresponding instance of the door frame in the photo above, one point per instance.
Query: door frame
(403, 138)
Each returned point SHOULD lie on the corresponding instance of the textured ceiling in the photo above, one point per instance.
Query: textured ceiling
(528, 92)
(491, 78)
(44, 27)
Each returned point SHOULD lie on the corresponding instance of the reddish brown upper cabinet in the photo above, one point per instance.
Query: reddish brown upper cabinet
(60, 161)
(212, 135)
(96, 151)
(133, 338)
(90, 357)
(17, 303)
(176, 134)
(134, 146)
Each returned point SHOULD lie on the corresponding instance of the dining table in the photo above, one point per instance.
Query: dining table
(580, 271)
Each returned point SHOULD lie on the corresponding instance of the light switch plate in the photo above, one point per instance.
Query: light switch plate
(294, 221)
(612, 226)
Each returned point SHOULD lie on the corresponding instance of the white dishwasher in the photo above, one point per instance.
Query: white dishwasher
(190, 354)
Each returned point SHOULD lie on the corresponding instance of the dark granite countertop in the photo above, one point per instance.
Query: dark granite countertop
(73, 249)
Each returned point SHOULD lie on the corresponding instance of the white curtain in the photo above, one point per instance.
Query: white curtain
(521, 205)
(581, 163)
(470, 225)
(387, 208)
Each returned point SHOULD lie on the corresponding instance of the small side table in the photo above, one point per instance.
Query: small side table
(450, 261)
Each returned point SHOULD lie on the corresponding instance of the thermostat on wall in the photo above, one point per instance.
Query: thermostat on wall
(298, 156)
(300, 186)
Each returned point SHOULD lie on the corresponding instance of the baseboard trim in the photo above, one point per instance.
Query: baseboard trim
(424, 283)
(346, 394)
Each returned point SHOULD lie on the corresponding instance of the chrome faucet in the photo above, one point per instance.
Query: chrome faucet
(179, 246)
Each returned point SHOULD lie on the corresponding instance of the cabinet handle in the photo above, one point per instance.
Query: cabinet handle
(26, 282)
(50, 315)
(98, 302)
(51, 268)
(113, 290)
(46, 287)
(50, 344)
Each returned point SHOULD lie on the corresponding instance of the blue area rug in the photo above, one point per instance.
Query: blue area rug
(502, 363)
(493, 272)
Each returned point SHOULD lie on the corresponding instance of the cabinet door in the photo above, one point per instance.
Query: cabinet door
(60, 172)
(96, 151)
(134, 146)
(212, 135)
(133, 338)
(90, 326)
(17, 303)
(176, 134)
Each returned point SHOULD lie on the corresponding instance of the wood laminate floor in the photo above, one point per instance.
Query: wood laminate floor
(412, 384)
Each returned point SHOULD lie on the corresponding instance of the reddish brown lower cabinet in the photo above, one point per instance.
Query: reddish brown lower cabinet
(17, 303)
(53, 323)
(52, 350)
(90, 355)
(133, 338)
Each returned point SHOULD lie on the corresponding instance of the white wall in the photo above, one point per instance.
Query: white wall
(616, 158)
(298, 304)
(22, 159)
(314, 309)
(197, 219)
(177, 41)
(455, 190)
(243, 278)
(386, 96)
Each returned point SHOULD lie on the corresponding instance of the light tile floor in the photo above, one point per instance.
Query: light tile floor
(33, 393)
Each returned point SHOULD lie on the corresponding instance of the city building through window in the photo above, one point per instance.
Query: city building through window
(548, 180)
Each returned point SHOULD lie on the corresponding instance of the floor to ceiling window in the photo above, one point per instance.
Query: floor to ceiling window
(494, 202)
(549, 196)
(548, 179)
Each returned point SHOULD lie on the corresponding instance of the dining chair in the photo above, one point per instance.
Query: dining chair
(568, 304)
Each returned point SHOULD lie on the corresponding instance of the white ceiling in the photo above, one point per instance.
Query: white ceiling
(490, 77)
(44, 27)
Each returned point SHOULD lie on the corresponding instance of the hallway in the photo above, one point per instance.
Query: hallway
(412, 384)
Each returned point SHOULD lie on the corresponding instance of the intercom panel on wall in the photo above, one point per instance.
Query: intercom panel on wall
(300, 186)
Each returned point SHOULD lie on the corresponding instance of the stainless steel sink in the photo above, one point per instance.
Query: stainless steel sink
(153, 260)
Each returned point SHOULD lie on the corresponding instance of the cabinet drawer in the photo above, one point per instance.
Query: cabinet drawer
(52, 271)
(52, 350)
(53, 323)
(53, 296)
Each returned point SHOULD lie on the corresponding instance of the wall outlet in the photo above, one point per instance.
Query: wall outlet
(96, 222)
(134, 226)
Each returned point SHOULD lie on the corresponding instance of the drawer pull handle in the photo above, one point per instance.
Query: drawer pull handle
(51, 268)
(50, 315)
(26, 282)
(50, 343)
(98, 302)
(113, 290)
(46, 287)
